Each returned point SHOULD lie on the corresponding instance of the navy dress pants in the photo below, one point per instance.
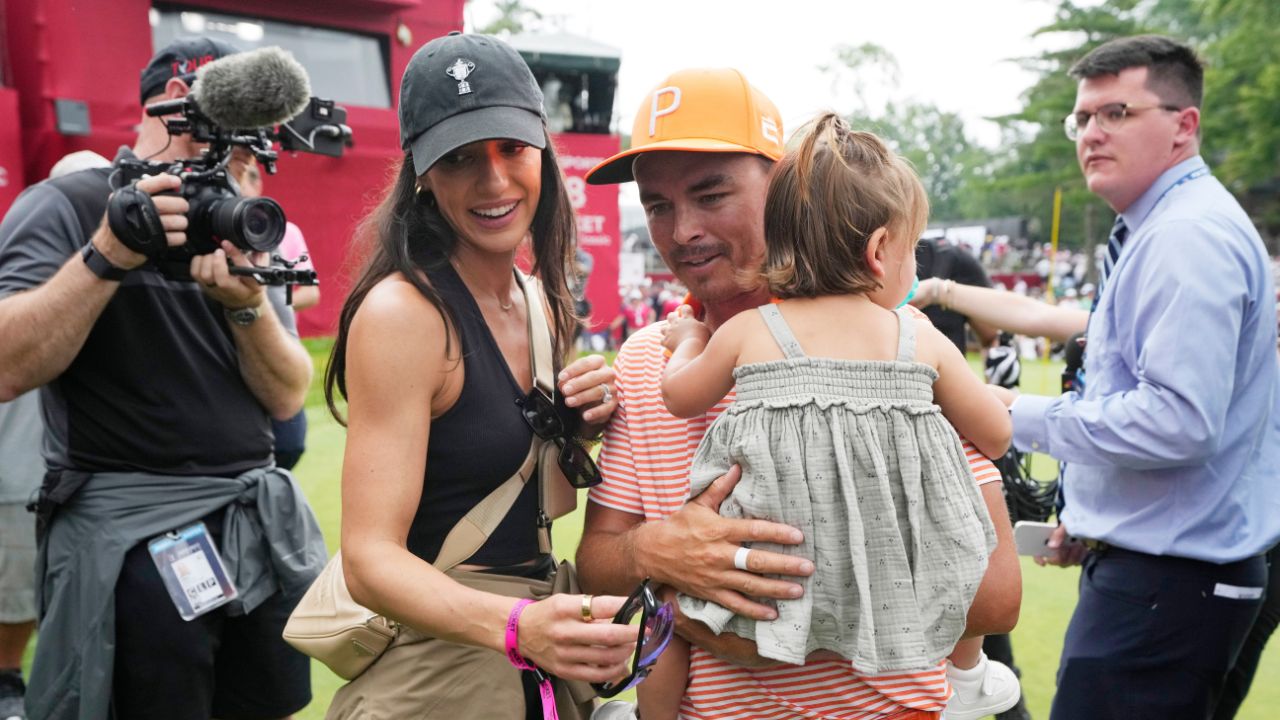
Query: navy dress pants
(1154, 636)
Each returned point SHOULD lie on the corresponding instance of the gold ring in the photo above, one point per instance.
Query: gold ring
(586, 609)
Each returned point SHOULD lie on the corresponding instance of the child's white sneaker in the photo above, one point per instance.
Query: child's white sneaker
(985, 689)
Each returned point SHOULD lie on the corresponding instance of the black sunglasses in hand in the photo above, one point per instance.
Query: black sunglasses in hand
(654, 623)
(550, 419)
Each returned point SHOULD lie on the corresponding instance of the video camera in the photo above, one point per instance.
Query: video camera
(248, 100)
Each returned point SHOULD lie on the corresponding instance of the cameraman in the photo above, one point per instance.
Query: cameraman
(157, 396)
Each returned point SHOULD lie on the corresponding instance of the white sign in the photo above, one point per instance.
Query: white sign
(630, 269)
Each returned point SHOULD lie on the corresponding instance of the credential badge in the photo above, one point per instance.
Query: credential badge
(460, 70)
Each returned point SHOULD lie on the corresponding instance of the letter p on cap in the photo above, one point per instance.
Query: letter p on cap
(655, 112)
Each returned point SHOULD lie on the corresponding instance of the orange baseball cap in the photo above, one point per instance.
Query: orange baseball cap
(699, 110)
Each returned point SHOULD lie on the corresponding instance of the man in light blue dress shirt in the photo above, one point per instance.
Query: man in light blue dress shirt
(1173, 448)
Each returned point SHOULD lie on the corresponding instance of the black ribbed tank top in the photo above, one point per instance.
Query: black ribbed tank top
(477, 444)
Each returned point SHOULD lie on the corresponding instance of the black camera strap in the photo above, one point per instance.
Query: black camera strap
(133, 218)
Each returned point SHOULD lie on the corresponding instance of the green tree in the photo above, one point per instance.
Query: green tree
(933, 140)
(936, 144)
(514, 17)
(1040, 158)
(1242, 104)
(857, 67)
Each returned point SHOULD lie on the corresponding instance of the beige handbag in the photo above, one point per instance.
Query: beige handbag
(331, 627)
(336, 630)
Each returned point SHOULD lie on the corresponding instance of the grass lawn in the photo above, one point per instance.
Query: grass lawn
(1049, 594)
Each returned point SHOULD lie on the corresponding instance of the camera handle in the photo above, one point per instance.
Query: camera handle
(134, 220)
(282, 272)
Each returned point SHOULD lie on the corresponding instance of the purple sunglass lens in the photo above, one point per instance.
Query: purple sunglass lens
(657, 634)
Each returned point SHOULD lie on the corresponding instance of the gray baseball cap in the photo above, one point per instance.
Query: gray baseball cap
(460, 89)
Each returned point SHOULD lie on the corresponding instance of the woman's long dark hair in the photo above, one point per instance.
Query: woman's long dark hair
(407, 234)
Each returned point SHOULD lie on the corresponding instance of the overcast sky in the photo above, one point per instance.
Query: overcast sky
(953, 53)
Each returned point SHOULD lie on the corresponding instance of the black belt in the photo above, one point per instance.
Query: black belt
(1103, 547)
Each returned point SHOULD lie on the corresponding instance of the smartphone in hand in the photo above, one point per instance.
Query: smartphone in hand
(1031, 538)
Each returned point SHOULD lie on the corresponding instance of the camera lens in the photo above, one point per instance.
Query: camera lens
(250, 223)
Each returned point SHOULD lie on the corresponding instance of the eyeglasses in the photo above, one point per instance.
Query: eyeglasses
(1110, 117)
(654, 623)
(546, 418)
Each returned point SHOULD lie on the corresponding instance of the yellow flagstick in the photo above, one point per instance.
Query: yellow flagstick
(1053, 264)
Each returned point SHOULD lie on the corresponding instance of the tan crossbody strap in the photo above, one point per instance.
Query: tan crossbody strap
(471, 532)
(541, 350)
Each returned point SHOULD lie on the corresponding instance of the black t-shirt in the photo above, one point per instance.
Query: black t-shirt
(156, 387)
(948, 262)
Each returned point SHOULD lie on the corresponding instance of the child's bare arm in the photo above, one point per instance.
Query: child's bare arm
(973, 410)
(700, 371)
(660, 694)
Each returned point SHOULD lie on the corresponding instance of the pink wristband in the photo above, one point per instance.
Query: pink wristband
(512, 642)
(513, 635)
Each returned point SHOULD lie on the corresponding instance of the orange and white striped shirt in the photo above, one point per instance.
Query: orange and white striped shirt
(645, 461)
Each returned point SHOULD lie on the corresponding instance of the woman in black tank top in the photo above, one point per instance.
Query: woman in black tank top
(432, 354)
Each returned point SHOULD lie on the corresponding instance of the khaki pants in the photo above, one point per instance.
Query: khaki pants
(425, 677)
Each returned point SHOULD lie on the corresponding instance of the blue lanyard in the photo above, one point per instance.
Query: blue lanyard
(1194, 174)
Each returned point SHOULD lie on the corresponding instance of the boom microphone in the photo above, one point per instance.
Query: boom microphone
(252, 89)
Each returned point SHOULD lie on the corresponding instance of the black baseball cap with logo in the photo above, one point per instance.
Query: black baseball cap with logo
(459, 89)
(180, 59)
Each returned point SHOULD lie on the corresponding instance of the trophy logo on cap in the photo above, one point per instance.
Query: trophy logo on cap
(460, 70)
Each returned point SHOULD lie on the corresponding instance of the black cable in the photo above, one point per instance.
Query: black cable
(1026, 497)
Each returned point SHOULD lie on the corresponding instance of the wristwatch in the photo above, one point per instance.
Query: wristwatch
(99, 264)
(244, 317)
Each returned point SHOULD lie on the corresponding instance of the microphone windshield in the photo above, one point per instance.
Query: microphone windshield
(252, 89)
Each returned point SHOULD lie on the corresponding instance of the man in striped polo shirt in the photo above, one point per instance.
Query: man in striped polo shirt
(702, 148)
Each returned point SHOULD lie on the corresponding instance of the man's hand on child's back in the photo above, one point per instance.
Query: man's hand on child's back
(725, 646)
(693, 551)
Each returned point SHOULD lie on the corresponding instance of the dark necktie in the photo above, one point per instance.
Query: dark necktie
(1119, 233)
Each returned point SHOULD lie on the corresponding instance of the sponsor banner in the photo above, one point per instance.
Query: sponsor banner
(596, 208)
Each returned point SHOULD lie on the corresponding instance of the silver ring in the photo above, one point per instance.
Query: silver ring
(740, 558)
(607, 397)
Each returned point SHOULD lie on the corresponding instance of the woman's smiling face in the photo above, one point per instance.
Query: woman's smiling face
(488, 191)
